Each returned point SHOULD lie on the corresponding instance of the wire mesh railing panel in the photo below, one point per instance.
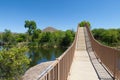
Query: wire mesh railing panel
(109, 57)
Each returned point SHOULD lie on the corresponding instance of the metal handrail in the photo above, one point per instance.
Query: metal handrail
(107, 55)
(60, 68)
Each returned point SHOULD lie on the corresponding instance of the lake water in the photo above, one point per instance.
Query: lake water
(39, 55)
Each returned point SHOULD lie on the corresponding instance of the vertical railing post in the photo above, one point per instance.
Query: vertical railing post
(114, 65)
(58, 69)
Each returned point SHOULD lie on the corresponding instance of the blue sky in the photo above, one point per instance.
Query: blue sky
(60, 14)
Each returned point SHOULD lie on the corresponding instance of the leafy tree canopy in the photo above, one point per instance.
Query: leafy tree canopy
(31, 25)
(7, 36)
(84, 23)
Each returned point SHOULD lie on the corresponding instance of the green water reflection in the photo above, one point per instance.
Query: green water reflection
(38, 55)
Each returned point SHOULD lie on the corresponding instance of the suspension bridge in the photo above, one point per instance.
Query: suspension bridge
(85, 59)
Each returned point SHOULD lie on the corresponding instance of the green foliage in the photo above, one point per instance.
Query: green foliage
(56, 39)
(13, 63)
(67, 40)
(108, 37)
(7, 37)
(45, 38)
(84, 23)
(31, 25)
(0, 36)
(98, 33)
(20, 37)
(35, 35)
(33, 32)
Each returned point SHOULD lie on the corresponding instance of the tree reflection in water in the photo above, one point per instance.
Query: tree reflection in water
(39, 55)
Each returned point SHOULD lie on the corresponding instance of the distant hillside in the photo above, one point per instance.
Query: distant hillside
(49, 29)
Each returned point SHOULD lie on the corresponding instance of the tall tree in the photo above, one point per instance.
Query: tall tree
(31, 25)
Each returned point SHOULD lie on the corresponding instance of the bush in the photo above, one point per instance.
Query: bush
(13, 63)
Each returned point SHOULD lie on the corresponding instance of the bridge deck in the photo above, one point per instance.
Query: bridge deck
(82, 68)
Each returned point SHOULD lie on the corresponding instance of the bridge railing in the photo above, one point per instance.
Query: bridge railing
(59, 70)
(109, 57)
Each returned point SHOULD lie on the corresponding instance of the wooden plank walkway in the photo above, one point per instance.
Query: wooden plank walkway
(81, 68)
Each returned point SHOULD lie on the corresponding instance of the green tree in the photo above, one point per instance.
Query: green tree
(98, 33)
(44, 38)
(118, 34)
(108, 37)
(13, 63)
(84, 23)
(36, 34)
(21, 37)
(31, 25)
(67, 40)
(58, 37)
(7, 37)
